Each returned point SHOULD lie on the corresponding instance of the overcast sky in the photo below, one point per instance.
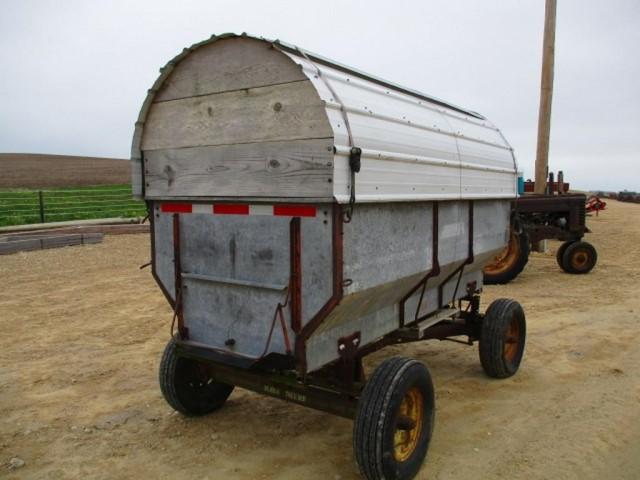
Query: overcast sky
(73, 74)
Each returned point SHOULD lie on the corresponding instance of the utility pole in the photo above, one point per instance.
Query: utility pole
(546, 94)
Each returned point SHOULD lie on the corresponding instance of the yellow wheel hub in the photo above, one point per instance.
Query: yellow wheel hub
(506, 258)
(512, 340)
(409, 425)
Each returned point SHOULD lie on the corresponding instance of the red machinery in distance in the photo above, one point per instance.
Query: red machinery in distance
(553, 187)
(594, 204)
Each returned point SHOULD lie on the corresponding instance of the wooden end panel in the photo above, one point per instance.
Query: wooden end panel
(300, 168)
(229, 64)
(291, 111)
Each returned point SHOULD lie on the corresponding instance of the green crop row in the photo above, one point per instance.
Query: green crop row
(21, 206)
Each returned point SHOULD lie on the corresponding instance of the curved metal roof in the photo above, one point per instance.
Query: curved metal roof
(471, 118)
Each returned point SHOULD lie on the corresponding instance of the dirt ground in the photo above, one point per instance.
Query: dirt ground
(30, 170)
(83, 330)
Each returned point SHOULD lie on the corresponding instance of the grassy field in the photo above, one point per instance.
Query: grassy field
(22, 206)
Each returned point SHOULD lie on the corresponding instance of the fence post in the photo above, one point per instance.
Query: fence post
(41, 204)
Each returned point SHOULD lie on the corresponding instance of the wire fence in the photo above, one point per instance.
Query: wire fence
(19, 207)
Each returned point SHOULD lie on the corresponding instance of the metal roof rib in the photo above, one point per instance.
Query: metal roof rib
(358, 73)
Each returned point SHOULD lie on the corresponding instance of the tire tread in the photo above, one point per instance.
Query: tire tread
(371, 417)
(568, 251)
(214, 399)
(491, 338)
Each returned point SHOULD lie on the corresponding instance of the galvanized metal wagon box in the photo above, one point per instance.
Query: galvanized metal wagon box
(305, 214)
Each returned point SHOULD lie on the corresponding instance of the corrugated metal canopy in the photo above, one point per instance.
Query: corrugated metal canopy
(358, 73)
(430, 148)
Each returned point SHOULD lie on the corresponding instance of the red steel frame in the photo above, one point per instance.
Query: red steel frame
(296, 274)
(434, 272)
(177, 267)
(338, 290)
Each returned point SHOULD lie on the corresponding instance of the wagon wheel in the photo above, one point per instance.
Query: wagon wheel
(502, 338)
(508, 264)
(579, 257)
(394, 420)
(187, 384)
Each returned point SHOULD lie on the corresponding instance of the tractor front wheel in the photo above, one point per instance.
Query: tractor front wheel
(579, 258)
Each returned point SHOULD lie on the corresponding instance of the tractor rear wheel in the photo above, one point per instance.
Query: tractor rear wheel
(510, 262)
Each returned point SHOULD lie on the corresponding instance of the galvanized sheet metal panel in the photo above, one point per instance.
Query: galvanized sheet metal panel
(316, 262)
(236, 252)
(235, 271)
(370, 305)
(401, 231)
(163, 251)
(232, 318)
(236, 268)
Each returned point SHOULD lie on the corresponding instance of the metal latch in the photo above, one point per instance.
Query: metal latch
(354, 159)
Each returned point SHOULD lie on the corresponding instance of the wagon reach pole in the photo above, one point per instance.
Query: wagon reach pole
(546, 94)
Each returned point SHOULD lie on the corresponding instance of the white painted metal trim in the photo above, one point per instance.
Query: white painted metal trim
(399, 157)
(409, 123)
(396, 96)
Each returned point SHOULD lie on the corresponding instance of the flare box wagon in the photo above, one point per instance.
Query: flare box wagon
(305, 214)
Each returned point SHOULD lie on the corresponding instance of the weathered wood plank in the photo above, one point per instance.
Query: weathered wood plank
(291, 111)
(228, 64)
(61, 241)
(90, 238)
(300, 168)
(86, 231)
(20, 246)
(25, 244)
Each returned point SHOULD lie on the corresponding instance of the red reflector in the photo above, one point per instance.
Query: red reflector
(175, 208)
(294, 211)
(228, 209)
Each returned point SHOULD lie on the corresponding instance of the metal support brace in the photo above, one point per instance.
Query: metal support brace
(182, 330)
(459, 271)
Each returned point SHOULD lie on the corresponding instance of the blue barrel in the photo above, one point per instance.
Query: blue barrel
(520, 183)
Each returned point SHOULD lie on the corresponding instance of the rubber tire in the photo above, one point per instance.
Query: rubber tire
(518, 265)
(493, 334)
(376, 416)
(560, 253)
(183, 392)
(575, 248)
